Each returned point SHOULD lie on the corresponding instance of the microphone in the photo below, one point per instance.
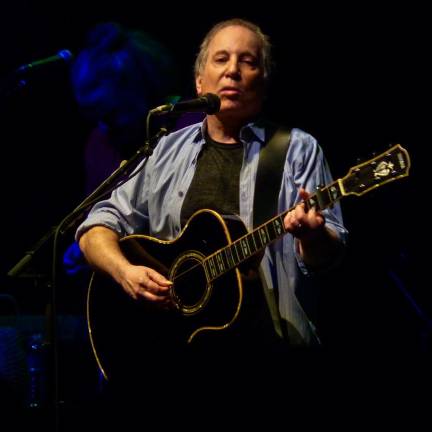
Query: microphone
(62, 56)
(208, 103)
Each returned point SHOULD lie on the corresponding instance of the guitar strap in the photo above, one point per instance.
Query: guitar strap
(267, 186)
(269, 175)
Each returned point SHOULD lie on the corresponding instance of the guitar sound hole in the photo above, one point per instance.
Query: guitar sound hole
(189, 283)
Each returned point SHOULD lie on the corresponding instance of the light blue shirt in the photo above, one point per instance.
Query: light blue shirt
(150, 203)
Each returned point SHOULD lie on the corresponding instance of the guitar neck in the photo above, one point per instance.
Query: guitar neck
(386, 167)
(240, 250)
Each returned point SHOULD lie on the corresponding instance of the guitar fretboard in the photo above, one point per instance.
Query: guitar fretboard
(240, 250)
(391, 165)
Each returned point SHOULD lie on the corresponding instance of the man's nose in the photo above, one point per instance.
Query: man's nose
(233, 68)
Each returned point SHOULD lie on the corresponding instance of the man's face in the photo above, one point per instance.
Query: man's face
(233, 70)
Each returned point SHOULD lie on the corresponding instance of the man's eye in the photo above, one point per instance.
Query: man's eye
(250, 62)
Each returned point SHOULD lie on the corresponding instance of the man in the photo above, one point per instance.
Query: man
(214, 165)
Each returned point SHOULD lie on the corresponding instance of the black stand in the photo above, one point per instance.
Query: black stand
(123, 171)
(10, 86)
(118, 177)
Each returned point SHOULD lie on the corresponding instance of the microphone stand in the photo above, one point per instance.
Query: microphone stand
(125, 169)
(11, 84)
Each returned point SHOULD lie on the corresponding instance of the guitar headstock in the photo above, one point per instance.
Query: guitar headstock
(390, 165)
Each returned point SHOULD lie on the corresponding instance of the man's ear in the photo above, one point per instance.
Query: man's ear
(198, 81)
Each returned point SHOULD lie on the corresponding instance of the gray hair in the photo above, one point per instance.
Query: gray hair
(265, 50)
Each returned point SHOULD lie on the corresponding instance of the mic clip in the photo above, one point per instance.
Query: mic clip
(162, 109)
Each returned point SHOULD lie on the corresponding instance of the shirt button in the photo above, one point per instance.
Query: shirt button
(180, 193)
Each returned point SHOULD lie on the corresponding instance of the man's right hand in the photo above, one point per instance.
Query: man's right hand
(100, 246)
(144, 282)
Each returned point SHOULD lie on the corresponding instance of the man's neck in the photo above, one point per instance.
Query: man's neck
(222, 131)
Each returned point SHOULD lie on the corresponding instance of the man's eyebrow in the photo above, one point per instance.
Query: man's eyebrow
(243, 53)
(221, 51)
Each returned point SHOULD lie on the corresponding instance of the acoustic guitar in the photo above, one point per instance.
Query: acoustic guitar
(205, 263)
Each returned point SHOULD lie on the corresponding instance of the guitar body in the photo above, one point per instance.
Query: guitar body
(121, 328)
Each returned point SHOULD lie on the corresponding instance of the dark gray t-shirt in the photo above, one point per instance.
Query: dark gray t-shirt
(216, 181)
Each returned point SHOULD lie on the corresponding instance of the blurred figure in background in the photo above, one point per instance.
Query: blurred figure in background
(116, 79)
(118, 76)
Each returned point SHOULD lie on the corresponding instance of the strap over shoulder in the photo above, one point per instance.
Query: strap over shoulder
(269, 175)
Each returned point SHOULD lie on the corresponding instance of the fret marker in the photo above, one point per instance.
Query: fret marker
(212, 267)
(278, 226)
(229, 257)
(263, 235)
(245, 247)
(333, 192)
(220, 262)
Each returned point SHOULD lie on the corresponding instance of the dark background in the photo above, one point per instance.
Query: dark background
(354, 77)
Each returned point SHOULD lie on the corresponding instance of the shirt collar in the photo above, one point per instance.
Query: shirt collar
(247, 133)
